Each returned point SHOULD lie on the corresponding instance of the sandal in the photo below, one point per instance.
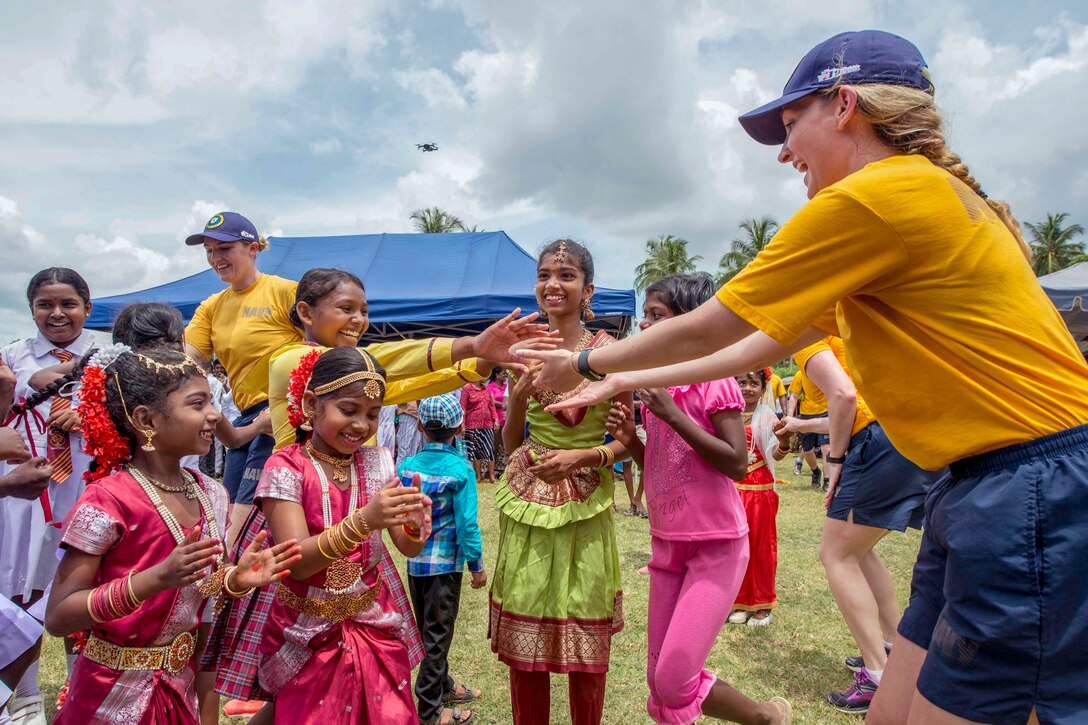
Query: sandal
(469, 694)
(633, 511)
(785, 708)
(456, 716)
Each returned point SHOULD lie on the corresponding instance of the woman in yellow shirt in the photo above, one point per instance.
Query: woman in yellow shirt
(915, 268)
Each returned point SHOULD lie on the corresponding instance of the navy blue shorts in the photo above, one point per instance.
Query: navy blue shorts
(999, 596)
(243, 467)
(880, 486)
(810, 441)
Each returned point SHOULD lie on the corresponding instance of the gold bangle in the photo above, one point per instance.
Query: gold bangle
(609, 455)
(604, 459)
(416, 538)
(365, 533)
(90, 609)
(341, 542)
(332, 536)
(321, 549)
(572, 362)
(134, 601)
(226, 585)
(345, 543)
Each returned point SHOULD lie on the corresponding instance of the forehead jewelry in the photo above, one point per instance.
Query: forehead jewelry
(373, 388)
(561, 253)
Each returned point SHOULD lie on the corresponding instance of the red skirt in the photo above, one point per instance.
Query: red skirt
(761, 506)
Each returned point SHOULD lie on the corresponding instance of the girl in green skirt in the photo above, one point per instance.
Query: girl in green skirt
(555, 596)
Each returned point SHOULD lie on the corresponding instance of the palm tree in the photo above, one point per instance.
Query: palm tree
(664, 256)
(757, 235)
(1052, 245)
(433, 220)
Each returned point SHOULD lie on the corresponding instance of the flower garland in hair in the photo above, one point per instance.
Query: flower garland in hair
(767, 373)
(300, 378)
(104, 443)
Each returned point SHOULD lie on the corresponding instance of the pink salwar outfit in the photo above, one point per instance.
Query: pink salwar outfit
(115, 520)
(699, 550)
(357, 670)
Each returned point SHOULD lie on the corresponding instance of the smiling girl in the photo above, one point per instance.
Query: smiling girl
(556, 598)
(143, 547)
(341, 641)
(30, 531)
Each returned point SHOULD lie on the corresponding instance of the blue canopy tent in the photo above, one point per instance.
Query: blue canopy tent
(1067, 288)
(417, 285)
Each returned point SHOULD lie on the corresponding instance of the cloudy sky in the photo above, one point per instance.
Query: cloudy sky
(126, 124)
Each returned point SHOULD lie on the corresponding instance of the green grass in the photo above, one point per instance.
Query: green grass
(798, 656)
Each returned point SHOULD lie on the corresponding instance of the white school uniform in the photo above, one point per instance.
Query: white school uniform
(28, 547)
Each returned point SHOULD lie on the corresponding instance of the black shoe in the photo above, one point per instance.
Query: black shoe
(817, 478)
(855, 663)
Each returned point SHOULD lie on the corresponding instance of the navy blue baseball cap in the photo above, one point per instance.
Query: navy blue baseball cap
(865, 56)
(226, 226)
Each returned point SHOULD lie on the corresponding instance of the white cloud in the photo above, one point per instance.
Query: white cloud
(326, 146)
(434, 86)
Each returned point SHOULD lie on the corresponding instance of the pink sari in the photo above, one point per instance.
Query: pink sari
(114, 519)
(358, 670)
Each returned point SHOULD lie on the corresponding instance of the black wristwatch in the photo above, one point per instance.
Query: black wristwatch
(584, 369)
(838, 460)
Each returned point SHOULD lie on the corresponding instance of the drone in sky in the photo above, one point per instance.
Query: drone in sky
(425, 147)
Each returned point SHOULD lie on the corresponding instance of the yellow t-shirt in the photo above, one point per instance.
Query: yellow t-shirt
(948, 334)
(778, 390)
(813, 400)
(834, 345)
(414, 369)
(243, 329)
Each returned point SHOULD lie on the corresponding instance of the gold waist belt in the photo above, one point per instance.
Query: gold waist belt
(755, 486)
(756, 466)
(173, 657)
(335, 609)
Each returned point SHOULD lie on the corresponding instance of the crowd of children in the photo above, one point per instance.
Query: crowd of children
(276, 586)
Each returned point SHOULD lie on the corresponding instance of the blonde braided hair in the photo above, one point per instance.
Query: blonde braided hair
(907, 120)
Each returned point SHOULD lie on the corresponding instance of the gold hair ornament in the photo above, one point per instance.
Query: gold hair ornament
(374, 387)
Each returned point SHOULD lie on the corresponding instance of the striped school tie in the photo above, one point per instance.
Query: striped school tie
(58, 448)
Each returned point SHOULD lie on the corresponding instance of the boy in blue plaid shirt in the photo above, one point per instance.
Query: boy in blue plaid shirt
(434, 577)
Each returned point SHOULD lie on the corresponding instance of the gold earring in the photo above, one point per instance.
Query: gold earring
(587, 313)
(148, 446)
(308, 414)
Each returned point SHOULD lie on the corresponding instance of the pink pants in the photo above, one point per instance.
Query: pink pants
(692, 588)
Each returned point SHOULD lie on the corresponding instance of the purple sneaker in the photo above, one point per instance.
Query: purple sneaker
(857, 697)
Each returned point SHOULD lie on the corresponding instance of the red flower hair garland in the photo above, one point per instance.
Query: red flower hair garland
(300, 378)
(109, 449)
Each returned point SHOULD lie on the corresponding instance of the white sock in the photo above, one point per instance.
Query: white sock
(28, 685)
(70, 661)
(875, 674)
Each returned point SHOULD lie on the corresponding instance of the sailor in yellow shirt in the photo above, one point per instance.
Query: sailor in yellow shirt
(917, 271)
(778, 392)
(872, 490)
(808, 402)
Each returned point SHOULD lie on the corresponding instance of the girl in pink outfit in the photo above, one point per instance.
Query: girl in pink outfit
(695, 449)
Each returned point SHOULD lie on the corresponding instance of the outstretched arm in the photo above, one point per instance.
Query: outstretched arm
(755, 351)
(694, 335)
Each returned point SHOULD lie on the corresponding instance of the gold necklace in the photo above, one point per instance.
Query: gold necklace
(547, 397)
(747, 419)
(213, 583)
(339, 465)
(341, 575)
(186, 487)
